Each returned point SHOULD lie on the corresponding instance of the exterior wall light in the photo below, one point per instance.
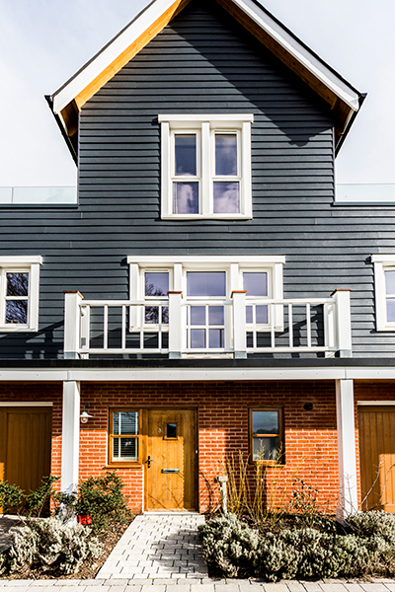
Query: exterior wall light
(85, 415)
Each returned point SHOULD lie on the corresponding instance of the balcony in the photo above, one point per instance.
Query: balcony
(237, 327)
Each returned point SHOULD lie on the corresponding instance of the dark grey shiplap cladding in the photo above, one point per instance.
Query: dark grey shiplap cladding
(202, 62)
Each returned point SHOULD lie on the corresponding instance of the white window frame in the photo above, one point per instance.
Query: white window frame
(19, 264)
(382, 263)
(234, 266)
(205, 127)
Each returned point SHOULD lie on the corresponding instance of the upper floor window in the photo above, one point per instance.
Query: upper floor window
(206, 166)
(384, 279)
(19, 290)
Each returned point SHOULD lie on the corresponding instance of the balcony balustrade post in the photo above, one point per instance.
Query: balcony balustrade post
(239, 323)
(343, 322)
(72, 324)
(175, 324)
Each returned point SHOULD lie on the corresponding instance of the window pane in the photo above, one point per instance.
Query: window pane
(391, 310)
(198, 315)
(206, 283)
(265, 422)
(171, 430)
(390, 282)
(17, 284)
(125, 449)
(151, 315)
(125, 422)
(185, 149)
(216, 338)
(226, 154)
(16, 311)
(186, 198)
(265, 448)
(226, 198)
(198, 338)
(156, 283)
(255, 283)
(215, 315)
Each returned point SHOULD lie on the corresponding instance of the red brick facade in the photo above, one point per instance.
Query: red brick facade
(222, 408)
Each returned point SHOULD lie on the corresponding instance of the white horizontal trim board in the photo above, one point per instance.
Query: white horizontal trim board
(26, 404)
(150, 15)
(202, 374)
(212, 118)
(14, 260)
(376, 403)
(205, 260)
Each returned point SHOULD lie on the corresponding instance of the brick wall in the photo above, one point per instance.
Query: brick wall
(310, 436)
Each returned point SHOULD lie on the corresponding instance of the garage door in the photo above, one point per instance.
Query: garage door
(25, 445)
(377, 453)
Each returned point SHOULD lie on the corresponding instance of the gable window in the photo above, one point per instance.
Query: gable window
(384, 279)
(19, 290)
(266, 435)
(124, 434)
(206, 166)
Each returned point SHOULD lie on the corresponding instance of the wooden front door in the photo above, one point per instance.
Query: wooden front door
(170, 466)
(25, 445)
(377, 454)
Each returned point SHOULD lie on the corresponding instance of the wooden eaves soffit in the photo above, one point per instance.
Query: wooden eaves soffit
(343, 99)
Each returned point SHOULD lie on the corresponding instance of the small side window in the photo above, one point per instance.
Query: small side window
(266, 435)
(19, 293)
(124, 437)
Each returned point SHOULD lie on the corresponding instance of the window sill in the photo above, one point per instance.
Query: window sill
(18, 329)
(113, 467)
(205, 217)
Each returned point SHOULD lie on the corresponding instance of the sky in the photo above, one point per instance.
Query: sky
(44, 42)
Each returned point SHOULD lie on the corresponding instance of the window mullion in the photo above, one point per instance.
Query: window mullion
(205, 163)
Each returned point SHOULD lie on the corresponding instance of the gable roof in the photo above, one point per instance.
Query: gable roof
(343, 99)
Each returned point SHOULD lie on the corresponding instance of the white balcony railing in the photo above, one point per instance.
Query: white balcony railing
(179, 328)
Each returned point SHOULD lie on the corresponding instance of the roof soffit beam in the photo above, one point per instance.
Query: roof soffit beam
(117, 54)
(290, 51)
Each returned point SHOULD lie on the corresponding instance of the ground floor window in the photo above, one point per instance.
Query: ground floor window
(124, 445)
(266, 435)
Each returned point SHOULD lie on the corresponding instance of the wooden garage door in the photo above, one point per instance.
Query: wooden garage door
(377, 452)
(25, 445)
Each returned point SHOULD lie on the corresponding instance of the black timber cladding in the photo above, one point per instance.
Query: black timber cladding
(203, 62)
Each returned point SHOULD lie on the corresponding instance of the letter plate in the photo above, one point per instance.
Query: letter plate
(170, 470)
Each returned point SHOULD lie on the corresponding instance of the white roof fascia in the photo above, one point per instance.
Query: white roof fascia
(65, 95)
(315, 66)
(105, 57)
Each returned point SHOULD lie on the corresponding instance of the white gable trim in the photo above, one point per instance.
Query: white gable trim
(145, 20)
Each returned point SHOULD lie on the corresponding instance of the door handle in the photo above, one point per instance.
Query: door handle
(149, 461)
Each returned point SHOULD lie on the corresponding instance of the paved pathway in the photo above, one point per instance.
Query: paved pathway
(194, 585)
(158, 546)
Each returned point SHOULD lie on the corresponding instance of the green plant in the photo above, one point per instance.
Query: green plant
(306, 509)
(51, 546)
(102, 499)
(257, 492)
(233, 549)
(38, 499)
(11, 497)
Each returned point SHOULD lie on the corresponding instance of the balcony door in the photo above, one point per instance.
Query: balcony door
(170, 466)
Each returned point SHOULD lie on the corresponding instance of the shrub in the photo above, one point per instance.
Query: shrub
(50, 545)
(233, 549)
(374, 523)
(11, 497)
(229, 545)
(38, 499)
(102, 499)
